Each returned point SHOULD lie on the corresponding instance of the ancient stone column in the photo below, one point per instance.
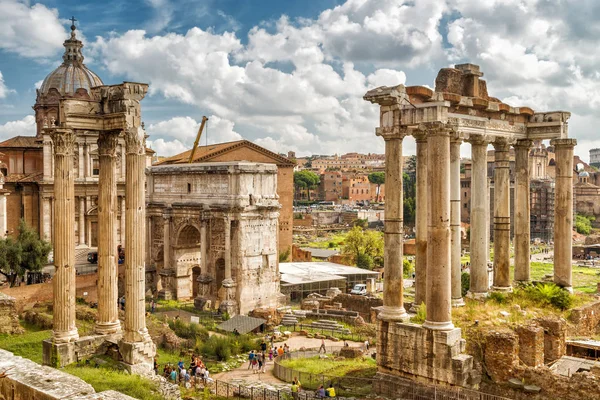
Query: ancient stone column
(421, 220)
(227, 291)
(521, 212)
(457, 300)
(502, 216)
(439, 276)
(3, 222)
(46, 218)
(563, 212)
(393, 289)
(108, 313)
(135, 321)
(64, 329)
(203, 248)
(81, 221)
(479, 218)
(123, 219)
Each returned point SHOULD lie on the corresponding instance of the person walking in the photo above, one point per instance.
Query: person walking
(251, 360)
(322, 347)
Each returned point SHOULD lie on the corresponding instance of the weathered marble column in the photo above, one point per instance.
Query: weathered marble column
(227, 291)
(108, 313)
(3, 222)
(46, 219)
(521, 212)
(123, 218)
(81, 227)
(421, 220)
(135, 320)
(479, 218)
(563, 212)
(63, 283)
(393, 288)
(457, 300)
(203, 248)
(439, 309)
(502, 216)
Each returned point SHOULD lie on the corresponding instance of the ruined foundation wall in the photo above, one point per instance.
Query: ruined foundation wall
(27, 380)
(586, 320)
(360, 304)
(9, 318)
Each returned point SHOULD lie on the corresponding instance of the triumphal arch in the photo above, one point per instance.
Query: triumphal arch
(111, 112)
(459, 110)
(212, 234)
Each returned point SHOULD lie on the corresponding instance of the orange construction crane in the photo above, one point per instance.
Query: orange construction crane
(204, 119)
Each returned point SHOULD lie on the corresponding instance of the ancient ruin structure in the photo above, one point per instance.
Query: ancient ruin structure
(111, 112)
(212, 234)
(459, 109)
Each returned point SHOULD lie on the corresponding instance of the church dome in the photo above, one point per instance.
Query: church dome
(72, 74)
(584, 174)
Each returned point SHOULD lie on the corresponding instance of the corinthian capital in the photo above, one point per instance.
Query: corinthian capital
(135, 141)
(107, 144)
(64, 141)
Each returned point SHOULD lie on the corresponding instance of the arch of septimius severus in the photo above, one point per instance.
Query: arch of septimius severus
(459, 110)
(113, 113)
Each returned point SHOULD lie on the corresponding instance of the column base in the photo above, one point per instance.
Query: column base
(138, 357)
(65, 336)
(389, 313)
(230, 307)
(438, 326)
(458, 302)
(108, 328)
(477, 296)
(503, 289)
(58, 355)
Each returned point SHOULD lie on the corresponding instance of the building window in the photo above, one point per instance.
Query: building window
(95, 167)
(189, 188)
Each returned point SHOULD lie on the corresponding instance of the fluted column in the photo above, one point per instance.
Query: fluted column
(81, 220)
(123, 219)
(203, 249)
(479, 218)
(46, 218)
(135, 321)
(439, 276)
(63, 283)
(108, 314)
(563, 212)
(502, 216)
(227, 222)
(421, 220)
(393, 288)
(522, 229)
(457, 300)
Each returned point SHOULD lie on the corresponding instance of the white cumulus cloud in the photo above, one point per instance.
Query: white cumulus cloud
(22, 127)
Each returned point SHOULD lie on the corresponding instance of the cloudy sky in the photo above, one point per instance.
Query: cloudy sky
(290, 74)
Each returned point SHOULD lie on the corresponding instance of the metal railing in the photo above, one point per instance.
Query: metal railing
(350, 386)
(355, 337)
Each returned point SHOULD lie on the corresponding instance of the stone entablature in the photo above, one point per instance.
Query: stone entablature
(212, 234)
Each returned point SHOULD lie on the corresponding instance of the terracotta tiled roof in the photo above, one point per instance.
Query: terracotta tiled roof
(205, 153)
(22, 142)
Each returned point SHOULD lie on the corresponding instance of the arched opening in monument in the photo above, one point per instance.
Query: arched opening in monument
(196, 271)
(187, 255)
(91, 224)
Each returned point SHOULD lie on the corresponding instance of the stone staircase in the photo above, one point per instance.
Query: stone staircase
(328, 325)
(289, 319)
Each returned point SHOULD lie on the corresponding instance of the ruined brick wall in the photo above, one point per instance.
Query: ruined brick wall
(306, 220)
(299, 255)
(361, 304)
(500, 354)
(29, 294)
(343, 259)
(9, 318)
(586, 319)
(531, 345)
(555, 336)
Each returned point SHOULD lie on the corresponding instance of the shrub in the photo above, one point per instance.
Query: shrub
(364, 261)
(421, 315)
(187, 330)
(498, 297)
(407, 268)
(465, 283)
(549, 294)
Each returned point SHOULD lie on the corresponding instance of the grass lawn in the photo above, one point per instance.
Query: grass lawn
(111, 379)
(337, 239)
(328, 366)
(27, 345)
(584, 279)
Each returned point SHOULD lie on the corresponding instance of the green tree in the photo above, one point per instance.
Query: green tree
(363, 246)
(28, 253)
(410, 193)
(583, 224)
(377, 178)
(307, 180)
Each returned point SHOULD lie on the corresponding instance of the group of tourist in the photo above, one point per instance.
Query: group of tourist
(320, 393)
(195, 374)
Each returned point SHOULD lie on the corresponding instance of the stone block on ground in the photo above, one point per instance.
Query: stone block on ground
(350, 352)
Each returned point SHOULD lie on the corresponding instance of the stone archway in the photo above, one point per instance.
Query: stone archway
(196, 272)
(187, 254)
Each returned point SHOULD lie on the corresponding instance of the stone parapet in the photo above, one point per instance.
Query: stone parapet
(412, 351)
(26, 379)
